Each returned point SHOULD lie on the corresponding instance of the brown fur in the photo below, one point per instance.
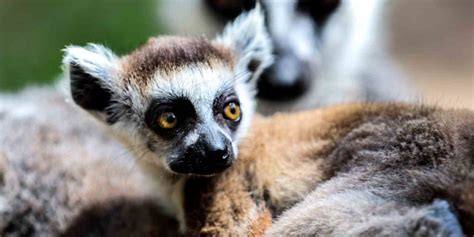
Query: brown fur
(409, 154)
(168, 54)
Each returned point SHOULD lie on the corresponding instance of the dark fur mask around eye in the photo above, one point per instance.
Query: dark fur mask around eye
(230, 9)
(319, 10)
(219, 105)
(182, 108)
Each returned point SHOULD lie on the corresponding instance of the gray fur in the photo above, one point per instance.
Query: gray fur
(359, 213)
(57, 169)
(385, 172)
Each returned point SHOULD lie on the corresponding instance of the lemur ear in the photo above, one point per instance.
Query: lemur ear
(248, 36)
(91, 71)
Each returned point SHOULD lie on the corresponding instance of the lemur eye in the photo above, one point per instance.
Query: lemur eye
(232, 111)
(167, 120)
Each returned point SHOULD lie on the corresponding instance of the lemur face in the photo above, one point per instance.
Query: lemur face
(182, 103)
(295, 28)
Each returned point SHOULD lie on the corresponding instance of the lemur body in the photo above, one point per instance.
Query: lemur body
(281, 174)
(60, 174)
(326, 51)
(186, 104)
(356, 170)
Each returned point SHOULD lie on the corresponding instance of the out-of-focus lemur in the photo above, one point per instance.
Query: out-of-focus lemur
(326, 51)
(60, 174)
(184, 106)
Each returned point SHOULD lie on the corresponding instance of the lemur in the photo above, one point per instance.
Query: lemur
(186, 104)
(326, 51)
(181, 104)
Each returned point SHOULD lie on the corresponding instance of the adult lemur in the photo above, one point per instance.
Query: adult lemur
(326, 51)
(184, 105)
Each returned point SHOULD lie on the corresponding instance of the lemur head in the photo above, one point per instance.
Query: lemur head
(180, 103)
(295, 27)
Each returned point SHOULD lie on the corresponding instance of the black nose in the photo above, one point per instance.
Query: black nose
(203, 159)
(271, 88)
(218, 154)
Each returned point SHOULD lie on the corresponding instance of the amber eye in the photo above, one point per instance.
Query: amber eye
(167, 120)
(232, 111)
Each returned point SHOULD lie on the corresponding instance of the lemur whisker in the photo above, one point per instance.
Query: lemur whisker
(135, 161)
(122, 155)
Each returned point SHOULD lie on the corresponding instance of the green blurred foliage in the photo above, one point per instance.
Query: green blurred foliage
(33, 33)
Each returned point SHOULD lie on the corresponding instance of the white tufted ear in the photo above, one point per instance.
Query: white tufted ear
(95, 60)
(248, 36)
(91, 71)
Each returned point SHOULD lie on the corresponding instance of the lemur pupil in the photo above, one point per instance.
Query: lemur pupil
(232, 108)
(170, 118)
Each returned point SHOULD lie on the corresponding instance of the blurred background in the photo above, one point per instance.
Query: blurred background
(432, 40)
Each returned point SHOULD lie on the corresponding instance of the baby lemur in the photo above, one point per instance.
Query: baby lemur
(180, 104)
(183, 106)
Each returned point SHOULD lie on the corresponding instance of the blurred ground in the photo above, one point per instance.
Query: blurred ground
(432, 39)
